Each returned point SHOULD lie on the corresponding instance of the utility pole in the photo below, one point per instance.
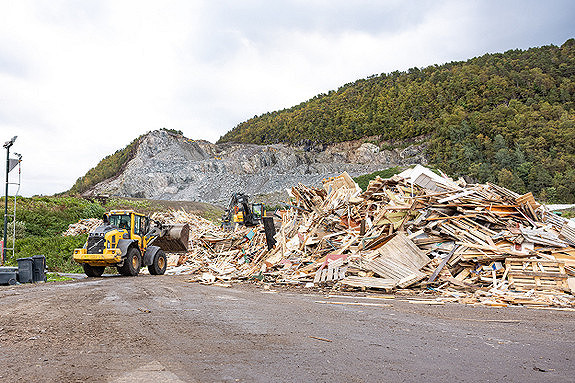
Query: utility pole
(7, 145)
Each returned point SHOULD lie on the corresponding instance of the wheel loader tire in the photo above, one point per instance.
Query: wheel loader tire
(159, 264)
(93, 271)
(132, 263)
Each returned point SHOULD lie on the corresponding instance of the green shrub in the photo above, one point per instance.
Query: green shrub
(50, 216)
(57, 250)
(93, 210)
(363, 180)
(20, 229)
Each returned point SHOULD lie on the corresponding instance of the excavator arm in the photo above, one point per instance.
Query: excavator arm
(240, 211)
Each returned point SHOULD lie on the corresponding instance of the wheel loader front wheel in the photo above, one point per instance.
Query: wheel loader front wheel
(159, 264)
(93, 271)
(132, 263)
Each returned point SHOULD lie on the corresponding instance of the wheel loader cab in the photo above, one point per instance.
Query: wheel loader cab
(121, 221)
(136, 225)
(141, 225)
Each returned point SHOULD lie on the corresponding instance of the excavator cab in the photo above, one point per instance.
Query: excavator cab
(257, 212)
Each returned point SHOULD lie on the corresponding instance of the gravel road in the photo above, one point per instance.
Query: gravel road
(164, 329)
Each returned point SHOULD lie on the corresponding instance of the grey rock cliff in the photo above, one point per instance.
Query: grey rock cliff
(172, 167)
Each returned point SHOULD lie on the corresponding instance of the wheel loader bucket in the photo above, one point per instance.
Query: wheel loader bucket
(175, 238)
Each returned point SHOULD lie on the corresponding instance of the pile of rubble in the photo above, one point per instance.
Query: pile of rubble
(474, 243)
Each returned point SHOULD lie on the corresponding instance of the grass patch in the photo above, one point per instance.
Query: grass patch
(568, 213)
(55, 277)
(50, 216)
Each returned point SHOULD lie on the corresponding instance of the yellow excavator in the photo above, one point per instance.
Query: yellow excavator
(125, 241)
(241, 212)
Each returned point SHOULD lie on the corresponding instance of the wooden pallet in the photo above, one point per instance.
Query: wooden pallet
(527, 274)
(390, 269)
(329, 274)
(369, 282)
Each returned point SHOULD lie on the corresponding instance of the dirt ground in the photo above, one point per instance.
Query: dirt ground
(165, 329)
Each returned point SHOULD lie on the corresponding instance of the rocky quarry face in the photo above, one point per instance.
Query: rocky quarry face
(171, 167)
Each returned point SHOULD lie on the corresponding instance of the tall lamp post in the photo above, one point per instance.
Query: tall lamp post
(7, 145)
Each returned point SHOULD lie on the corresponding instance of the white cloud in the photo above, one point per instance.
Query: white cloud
(80, 80)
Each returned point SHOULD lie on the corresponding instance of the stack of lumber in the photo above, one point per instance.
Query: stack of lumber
(474, 243)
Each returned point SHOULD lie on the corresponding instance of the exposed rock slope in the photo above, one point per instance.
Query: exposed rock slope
(172, 167)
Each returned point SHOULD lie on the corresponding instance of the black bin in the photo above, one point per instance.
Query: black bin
(8, 275)
(25, 270)
(39, 262)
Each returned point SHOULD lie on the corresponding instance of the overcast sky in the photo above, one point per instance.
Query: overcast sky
(81, 79)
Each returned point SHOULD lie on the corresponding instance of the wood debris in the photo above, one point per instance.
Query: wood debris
(83, 226)
(468, 243)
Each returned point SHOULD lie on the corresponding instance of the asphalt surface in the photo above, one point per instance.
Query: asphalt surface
(165, 329)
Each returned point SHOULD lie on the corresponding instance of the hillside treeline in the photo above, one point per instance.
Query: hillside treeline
(507, 118)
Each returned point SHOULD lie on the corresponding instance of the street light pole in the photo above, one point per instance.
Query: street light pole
(7, 145)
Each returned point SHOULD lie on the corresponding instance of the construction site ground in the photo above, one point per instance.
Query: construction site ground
(165, 329)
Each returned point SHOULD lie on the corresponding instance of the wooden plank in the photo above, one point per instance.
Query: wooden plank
(323, 275)
(317, 277)
(540, 261)
(463, 274)
(442, 264)
(369, 282)
(568, 233)
(549, 275)
(527, 199)
(329, 274)
(456, 196)
(451, 218)
(354, 304)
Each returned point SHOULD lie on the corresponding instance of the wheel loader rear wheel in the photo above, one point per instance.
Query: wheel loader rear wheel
(93, 271)
(131, 266)
(159, 264)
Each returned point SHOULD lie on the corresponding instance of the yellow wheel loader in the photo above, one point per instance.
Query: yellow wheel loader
(125, 241)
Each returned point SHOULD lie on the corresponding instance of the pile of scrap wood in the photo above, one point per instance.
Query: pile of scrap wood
(215, 251)
(471, 242)
(83, 226)
(418, 229)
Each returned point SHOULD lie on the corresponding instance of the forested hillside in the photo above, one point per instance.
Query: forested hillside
(508, 117)
(108, 167)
